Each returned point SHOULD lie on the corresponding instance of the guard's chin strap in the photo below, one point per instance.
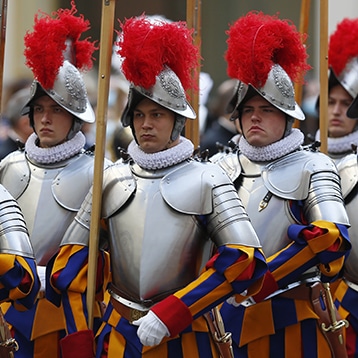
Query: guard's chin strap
(76, 127)
(178, 127)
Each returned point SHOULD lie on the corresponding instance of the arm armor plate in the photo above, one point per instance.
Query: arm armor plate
(14, 238)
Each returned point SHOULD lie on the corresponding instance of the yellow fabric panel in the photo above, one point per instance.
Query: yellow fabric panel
(339, 293)
(258, 321)
(7, 263)
(47, 346)
(332, 268)
(116, 345)
(77, 308)
(293, 351)
(304, 310)
(190, 348)
(156, 352)
(48, 318)
(259, 349)
(200, 325)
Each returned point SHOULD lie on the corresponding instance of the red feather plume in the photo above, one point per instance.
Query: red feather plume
(257, 41)
(146, 47)
(343, 45)
(44, 47)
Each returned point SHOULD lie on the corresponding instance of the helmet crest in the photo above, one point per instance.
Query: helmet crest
(343, 45)
(55, 54)
(147, 46)
(45, 47)
(267, 54)
(257, 41)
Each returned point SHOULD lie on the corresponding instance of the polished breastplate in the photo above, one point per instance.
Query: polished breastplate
(49, 197)
(157, 250)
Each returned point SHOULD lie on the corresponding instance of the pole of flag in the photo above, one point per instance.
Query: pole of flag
(303, 29)
(323, 97)
(106, 43)
(2, 43)
(193, 19)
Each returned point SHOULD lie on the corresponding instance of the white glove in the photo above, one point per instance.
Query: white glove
(41, 272)
(151, 330)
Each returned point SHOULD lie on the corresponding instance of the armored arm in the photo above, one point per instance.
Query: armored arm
(321, 241)
(237, 265)
(18, 277)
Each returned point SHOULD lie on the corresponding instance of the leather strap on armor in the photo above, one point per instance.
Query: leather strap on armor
(125, 310)
(222, 341)
(130, 314)
(334, 331)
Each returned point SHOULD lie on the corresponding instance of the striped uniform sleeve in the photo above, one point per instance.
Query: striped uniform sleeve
(233, 269)
(19, 282)
(321, 244)
(69, 280)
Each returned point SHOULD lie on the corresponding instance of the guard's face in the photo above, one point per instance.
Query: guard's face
(339, 124)
(52, 122)
(262, 123)
(153, 125)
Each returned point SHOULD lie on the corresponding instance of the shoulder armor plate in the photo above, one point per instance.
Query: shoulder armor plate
(348, 171)
(188, 189)
(72, 184)
(17, 179)
(229, 162)
(289, 177)
(118, 186)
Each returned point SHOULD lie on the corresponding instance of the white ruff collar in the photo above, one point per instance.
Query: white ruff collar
(341, 144)
(272, 151)
(164, 158)
(54, 154)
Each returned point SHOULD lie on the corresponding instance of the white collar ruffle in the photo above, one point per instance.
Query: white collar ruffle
(54, 154)
(163, 159)
(273, 151)
(340, 144)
